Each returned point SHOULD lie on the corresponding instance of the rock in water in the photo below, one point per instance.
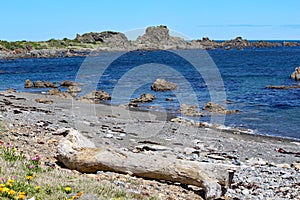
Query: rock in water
(163, 85)
(218, 109)
(296, 74)
(74, 89)
(143, 98)
(68, 83)
(28, 84)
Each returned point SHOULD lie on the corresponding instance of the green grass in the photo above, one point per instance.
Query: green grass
(22, 178)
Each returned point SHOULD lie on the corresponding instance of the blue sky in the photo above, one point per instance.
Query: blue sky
(217, 19)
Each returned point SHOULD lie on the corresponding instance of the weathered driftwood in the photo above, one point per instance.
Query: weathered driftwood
(76, 152)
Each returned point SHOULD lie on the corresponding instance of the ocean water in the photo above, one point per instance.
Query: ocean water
(245, 74)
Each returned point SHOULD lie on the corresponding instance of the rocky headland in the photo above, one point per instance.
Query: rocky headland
(156, 37)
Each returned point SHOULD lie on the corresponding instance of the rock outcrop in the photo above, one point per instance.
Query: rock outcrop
(158, 37)
(296, 74)
(110, 38)
(143, 98)
(95, 96)
(189, 110)
(217, 109)
(163, 85)
(68, 83)
(44, 84)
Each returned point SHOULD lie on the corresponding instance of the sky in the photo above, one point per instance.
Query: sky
(37, 20)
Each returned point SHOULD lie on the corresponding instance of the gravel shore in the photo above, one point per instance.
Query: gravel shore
(267, 167)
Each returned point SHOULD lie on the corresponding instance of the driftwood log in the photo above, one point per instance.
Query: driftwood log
(77, 152)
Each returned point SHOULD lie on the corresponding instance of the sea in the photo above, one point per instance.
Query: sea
(238, 76)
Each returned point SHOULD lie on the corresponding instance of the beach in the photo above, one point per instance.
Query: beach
(265, 167)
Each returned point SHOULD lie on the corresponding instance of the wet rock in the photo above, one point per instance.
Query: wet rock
(190, 110)
(28, 84)
(95, 96)
(296, 74)
(68, 83)
(54, 91)
(217, 108)
(163, 85)
(74, 89)
(44, 84)
(169, 99)
(44, 100)
(143, 98)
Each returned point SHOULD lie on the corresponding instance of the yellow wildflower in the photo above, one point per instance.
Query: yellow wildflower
(68, 189)
(9, 184)
(21, 195)
(2, 185)
(10, 181)
(29, 177)
(11, 192)
(37, 187)
(5, 189)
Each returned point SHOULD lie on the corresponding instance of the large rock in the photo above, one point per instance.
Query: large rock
(68, 83)
(44, 84)
(143, 98)
(190, 110)
(158, 37)
(296, 74)
(110, 38)
(95, 96)
(218, 109)
(74, 89)
(28, 84)
(163, 85)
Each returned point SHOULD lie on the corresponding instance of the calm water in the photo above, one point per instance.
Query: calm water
(245, 74)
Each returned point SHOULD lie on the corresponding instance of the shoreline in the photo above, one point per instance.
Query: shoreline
(259, 160)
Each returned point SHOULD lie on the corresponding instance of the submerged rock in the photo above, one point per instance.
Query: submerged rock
(163, 85)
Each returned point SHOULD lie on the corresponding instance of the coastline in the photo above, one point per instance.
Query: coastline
(258, 159)
(155, 38)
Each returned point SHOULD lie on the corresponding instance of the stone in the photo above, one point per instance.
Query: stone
(68, 83)
(44, 100)
(217, 108)
(54, 91)
(95, 96)
(74, 89)
(190, 110)
(28, 84)
(44, 84)
(296, 74)
(143, 98)
(163, 85)
(169, 99)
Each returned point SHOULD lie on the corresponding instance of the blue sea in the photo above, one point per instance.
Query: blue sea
(244, 73)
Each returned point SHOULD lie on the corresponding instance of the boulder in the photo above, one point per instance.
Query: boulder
(217, 109)
(44, 100)
(144, 98)
(296, 74)
(28, 84)
(96, 96)
(74, 89)
(68, 83)
(44, 84)
(54, 91)
(163, 85)
(190, 110)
